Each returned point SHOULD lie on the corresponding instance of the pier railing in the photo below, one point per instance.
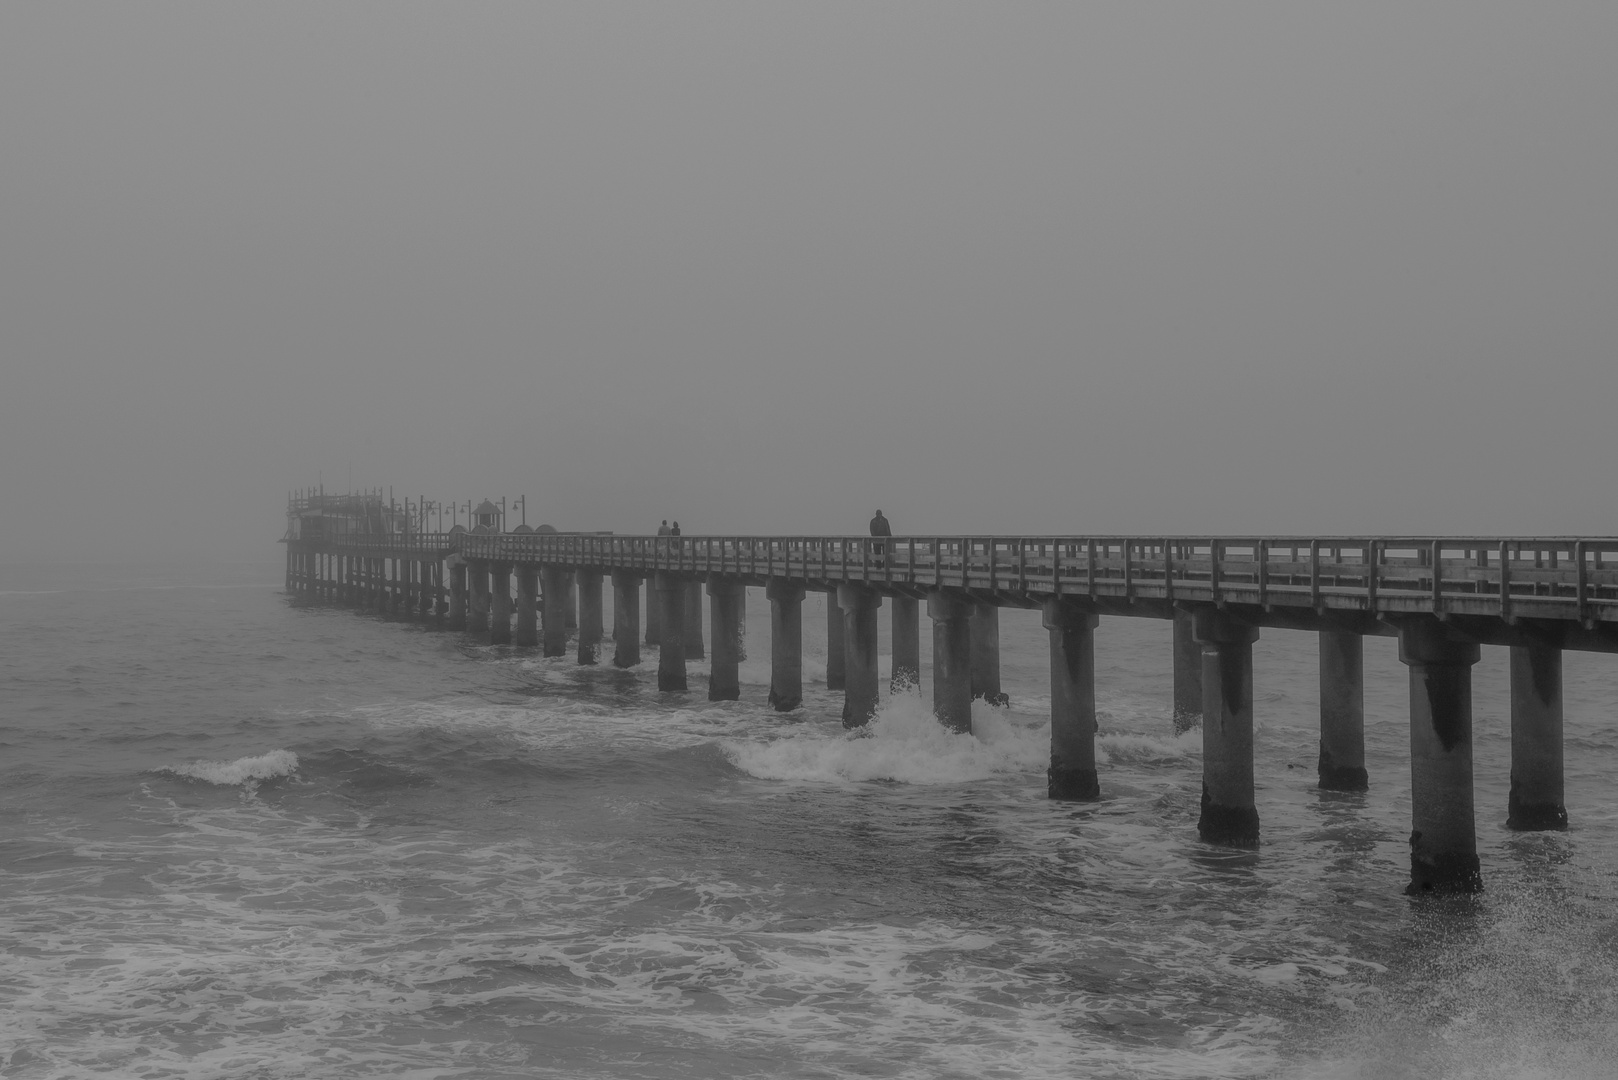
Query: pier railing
(1507, 577)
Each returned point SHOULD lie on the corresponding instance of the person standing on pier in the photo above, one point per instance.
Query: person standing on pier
(663, 529)
(880, 527)
(674, 530)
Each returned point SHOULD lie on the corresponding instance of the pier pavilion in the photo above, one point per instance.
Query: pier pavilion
(1440, 597)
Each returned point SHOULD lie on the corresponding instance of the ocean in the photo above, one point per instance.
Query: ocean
(244, 836)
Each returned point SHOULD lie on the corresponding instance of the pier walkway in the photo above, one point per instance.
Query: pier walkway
(1441, 597)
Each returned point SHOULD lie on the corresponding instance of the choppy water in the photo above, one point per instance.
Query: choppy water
(240, 837)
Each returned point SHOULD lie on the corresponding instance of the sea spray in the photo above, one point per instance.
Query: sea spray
(903, 743)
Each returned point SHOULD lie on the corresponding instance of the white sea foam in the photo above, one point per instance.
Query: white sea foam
(903, 743)
(241, 771)
(1121, 748)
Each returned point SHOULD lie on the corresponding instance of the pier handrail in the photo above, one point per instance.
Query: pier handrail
(1512, 577)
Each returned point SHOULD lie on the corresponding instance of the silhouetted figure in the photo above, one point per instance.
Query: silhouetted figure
(674, 530)
(880, 527)
(663, 529)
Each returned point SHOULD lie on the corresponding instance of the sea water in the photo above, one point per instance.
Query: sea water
(245, 836)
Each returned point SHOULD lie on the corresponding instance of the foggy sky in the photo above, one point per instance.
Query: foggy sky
(1209, 268)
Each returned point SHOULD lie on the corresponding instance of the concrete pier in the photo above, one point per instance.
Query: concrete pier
(625, 618)
(1443, 831)
(670, 591)
(1536, 596)
(553, 610)
(1187, 673)
(1536, 800)
(727, 606)
(860, 687)
(836, 661)
(1072, 773)
(1342, 712)
(906, 627)
(952, 659)
(477, 615)
(1228, 812)
(693, 620)
(499, 603)
(986, 654)
(527, 606)
(588, 585)
(786, 644)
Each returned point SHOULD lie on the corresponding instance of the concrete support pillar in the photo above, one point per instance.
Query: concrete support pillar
(985, 624)
(457, 596)
(292, 562)
(693, 620)
(860, 685)
(786, 644)
(1536, 800)
(587, 584)
(1187, 674)
(500, 603)
(553, 609)
(1443, 829)
(527, 605)
(379, 584)
(1072, 774)
(570, 613)
(625, 618)
(906, 625)
(477, 612)
(727, 604)
(654, 614)
(1228, 813)
(670, 591)
(952, 659)
(426, 593)
(440, 589)
(836, 661)
(1342, 712)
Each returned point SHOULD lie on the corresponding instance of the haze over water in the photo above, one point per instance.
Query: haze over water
(242, 837)
(1020, 268)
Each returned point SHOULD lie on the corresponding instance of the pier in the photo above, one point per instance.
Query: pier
(1440, 597)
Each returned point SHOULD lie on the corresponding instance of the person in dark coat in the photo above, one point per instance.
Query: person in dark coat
(880, 527)
(674, 530)
(663, 529)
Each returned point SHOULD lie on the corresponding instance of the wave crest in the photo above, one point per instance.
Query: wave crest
(904, 743)
(243, 770)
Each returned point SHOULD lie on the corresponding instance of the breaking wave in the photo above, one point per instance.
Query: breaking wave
(243, 770)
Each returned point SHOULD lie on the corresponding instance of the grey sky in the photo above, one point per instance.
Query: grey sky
(1220, 268)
